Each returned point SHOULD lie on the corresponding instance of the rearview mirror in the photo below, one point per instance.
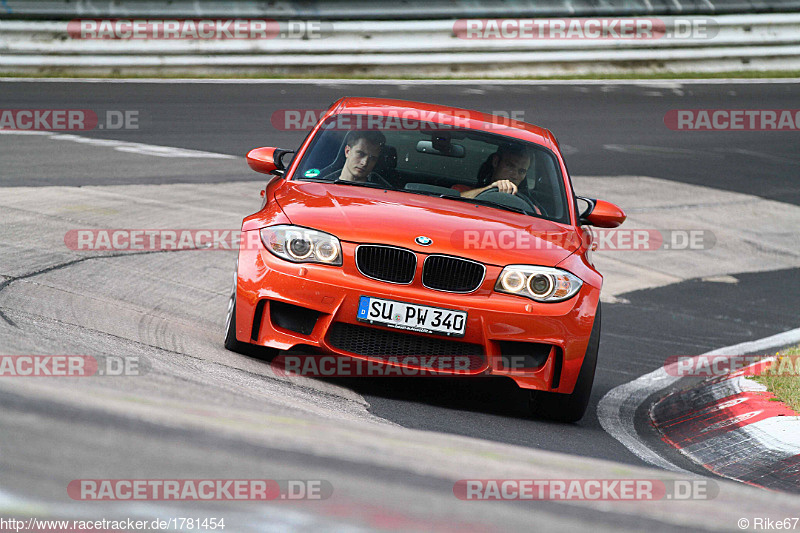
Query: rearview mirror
(269, 160)
(601, 213)
(440, 148)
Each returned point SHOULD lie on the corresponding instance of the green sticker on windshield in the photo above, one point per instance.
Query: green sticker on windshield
(312, 173)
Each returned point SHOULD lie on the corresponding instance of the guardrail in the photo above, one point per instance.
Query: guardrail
(383, 10)
(409, 48)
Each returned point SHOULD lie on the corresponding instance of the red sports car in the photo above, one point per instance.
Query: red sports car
(401, 231)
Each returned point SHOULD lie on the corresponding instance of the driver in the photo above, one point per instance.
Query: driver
(361, 152)
(504, 169)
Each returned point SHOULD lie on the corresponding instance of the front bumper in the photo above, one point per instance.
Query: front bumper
(284, 305)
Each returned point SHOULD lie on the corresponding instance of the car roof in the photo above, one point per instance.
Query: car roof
(471, 119)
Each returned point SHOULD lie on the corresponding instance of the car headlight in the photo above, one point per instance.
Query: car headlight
(543, 284)
(302, 245)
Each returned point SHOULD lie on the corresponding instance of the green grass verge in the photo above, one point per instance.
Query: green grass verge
(246, 76)
(784, 380)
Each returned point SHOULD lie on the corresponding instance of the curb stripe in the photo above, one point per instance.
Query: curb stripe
(617, 408)
(734, 428)
(690, 417)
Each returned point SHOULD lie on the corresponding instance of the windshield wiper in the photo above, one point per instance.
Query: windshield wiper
(361, 184)
(369, 184)
(423, 193)
(486, 203)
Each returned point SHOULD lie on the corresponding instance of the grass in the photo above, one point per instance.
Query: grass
(784, 378)
(744, 74)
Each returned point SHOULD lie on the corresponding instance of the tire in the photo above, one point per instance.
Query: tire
(571, 407)
(234, 345)
(230, 322)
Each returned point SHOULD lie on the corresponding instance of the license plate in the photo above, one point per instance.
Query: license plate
(412, 317)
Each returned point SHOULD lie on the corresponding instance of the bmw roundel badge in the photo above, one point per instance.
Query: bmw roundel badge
(423, 241)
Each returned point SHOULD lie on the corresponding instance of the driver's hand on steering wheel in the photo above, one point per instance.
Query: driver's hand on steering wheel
(506, 186)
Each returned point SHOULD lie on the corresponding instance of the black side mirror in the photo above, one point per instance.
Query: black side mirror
(601, 213)
(270, 160)
(589, 204)
(283, 159)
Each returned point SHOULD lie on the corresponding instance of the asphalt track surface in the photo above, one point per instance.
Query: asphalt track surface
(616, 129)
(607, 130)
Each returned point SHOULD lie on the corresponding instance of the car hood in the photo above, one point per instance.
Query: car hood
(481, 233)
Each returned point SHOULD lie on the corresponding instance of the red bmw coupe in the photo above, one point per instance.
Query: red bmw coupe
(401, 231)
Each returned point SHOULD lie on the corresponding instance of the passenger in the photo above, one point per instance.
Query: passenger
(361, 153)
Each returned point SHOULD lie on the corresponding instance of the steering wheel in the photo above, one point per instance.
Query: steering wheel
(529, 203)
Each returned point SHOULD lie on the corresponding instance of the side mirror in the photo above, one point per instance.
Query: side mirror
(601, 213)
(269, 160)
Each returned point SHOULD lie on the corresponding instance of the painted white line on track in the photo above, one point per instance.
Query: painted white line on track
(432, 81)
(781, 339)
(24, 132)
(125, 146)
(617, 408)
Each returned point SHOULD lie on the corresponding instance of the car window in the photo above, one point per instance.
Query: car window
(411, 160)
(425, 158)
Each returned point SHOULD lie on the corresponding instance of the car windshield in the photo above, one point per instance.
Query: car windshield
(454, 164)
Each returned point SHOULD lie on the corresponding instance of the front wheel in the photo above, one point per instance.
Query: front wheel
(571, 407)
(230, 321)
(231, 343)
